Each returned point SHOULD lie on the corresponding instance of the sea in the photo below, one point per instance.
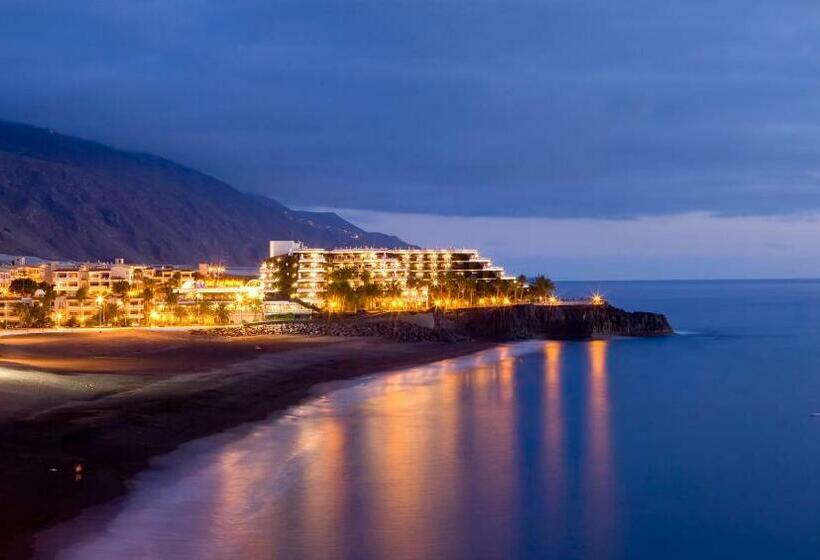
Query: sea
(704, 444)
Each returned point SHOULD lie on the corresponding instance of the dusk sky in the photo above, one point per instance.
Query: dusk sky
(583, 139)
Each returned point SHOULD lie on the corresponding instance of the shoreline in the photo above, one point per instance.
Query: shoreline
(148, 394)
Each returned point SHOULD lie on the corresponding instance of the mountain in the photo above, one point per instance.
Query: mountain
(66, 198)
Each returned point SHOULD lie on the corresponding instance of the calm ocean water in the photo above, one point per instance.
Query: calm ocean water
(700, 445)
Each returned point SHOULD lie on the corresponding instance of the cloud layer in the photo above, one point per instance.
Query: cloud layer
(676, 246)
(562, 109)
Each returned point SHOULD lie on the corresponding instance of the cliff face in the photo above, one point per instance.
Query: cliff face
(561, 322)
(63, 197)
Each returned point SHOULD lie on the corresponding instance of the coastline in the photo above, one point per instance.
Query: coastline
(147, 393)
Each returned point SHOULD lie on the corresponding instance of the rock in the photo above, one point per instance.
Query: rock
(559, 322)
(486, 323)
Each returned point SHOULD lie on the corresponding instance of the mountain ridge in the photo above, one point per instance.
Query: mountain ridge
(63, 197)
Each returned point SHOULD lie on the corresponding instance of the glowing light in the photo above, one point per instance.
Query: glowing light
(99, 300)
(552, 300)
(598, 299)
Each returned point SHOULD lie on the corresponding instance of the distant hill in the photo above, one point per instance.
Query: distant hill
(63, 197)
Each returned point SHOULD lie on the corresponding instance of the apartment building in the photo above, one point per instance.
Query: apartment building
(5, 279)
(98, 279)
(66, 279)
(8, 312)
(168, 273)
(23, 270)
(66, 308)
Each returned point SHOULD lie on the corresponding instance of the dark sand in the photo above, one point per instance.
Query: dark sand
(101, 404)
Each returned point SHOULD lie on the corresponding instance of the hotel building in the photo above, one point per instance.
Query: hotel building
(304, 272)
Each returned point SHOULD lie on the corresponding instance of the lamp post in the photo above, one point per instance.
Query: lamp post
(101, 303)
(239, 300)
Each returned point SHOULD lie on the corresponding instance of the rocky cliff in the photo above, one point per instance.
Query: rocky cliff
(564, 322)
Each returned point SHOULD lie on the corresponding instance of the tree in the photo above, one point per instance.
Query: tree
(221, 315)
(366, 294)
(33, 315)
(180, 313)
(120, 288)
(82, 295)
(542, 287)
(109, 313)
(203, 309)
(340, 287)
(23, 286)
(170, 295)
(520, 287)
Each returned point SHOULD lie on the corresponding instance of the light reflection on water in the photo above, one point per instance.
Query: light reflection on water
(598, 479)
(467, 458)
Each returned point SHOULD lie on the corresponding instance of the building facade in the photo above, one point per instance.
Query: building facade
(9, 317)
(5, 279)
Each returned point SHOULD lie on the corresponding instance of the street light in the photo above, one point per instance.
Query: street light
(100, 303)
(239, 300)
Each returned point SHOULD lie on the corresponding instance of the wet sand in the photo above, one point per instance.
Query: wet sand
(82, 412)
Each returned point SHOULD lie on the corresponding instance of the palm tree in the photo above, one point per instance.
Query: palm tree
(366, 294)
(120, 288)
(339, 286)
(520, 287)
(82, 296)
(221, 315)
(542, 287)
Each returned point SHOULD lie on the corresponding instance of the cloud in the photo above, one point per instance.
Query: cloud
(564, 109)
(676, 246)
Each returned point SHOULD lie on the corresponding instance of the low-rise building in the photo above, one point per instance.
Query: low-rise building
(166, 273)
(75, 311)
(21, 269)
(133, 309)
(97, 278)
(66, 279)
(71, 310)
(9, 317)
(5, 279)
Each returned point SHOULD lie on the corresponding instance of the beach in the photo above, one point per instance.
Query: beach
(82, 412)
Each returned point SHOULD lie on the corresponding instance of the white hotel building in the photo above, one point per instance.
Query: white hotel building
(309, 268)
